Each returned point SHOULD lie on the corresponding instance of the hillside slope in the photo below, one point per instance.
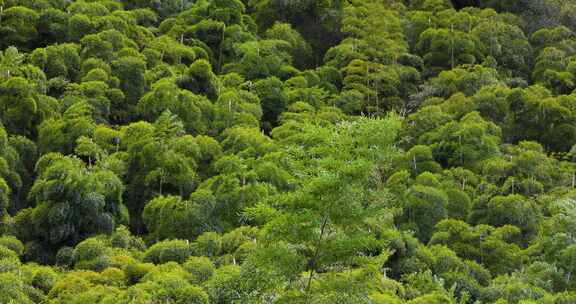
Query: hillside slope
(267, 151)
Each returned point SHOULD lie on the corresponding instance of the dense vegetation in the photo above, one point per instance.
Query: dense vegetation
(302, 151)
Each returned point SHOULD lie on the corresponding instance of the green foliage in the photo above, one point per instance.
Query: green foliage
(448, 48)
(265, 151)
(60, 134)
(20, 109)
(200, 269)
(513, 210)
(13, 244)
(195, 111)
(171, 217)
(18, 26)
(168, 251)
(72, 201)
(200, 79)
(464, 143)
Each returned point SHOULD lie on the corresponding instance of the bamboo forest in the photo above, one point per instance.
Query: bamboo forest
(287, 151)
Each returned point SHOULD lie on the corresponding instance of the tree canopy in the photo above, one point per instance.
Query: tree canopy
(267, 151)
